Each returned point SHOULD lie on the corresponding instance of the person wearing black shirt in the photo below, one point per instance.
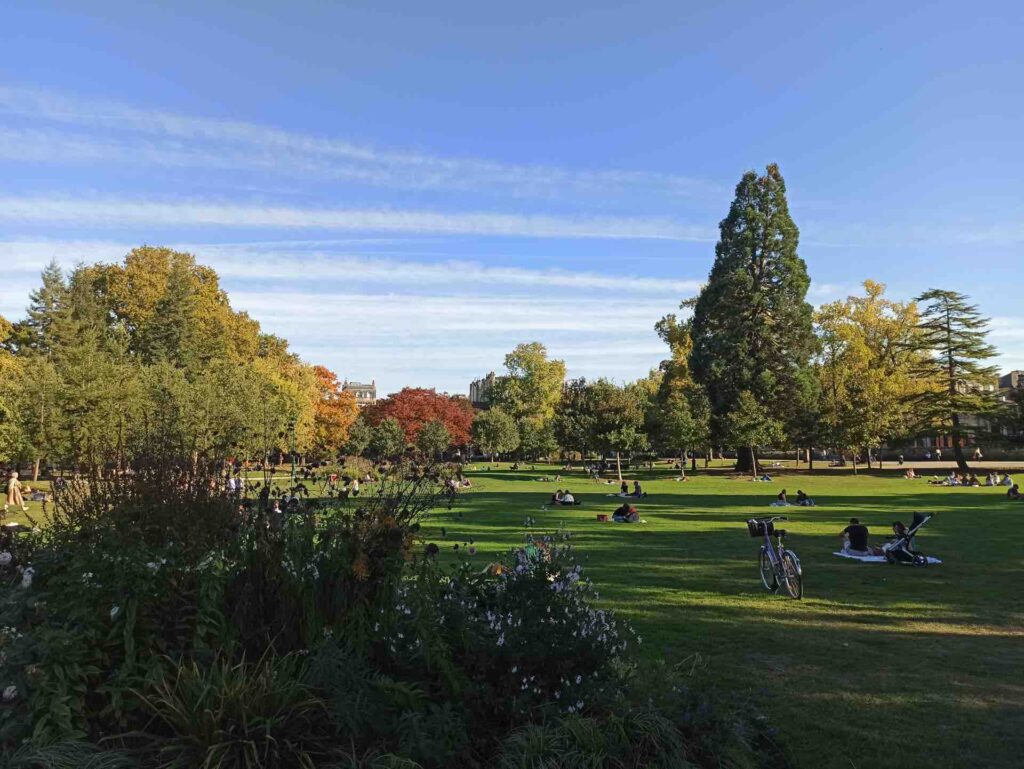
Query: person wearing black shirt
(855, 537)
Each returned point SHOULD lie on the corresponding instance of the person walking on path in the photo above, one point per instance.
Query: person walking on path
(14, 496)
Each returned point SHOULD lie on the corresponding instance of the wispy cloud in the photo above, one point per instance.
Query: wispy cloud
(285, 264)
(187, 140)
(118, 212)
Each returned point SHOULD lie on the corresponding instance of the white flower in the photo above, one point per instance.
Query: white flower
(114, 611)
(26, 577)
(153, 566)
(5, 558)
(501, 640)
(10, 693)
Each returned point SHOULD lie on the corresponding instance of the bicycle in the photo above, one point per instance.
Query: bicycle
(779, 566)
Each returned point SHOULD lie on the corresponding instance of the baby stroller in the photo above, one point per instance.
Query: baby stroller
(900, 548)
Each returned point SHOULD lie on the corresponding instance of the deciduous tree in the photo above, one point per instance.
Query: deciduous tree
(532, 385)
(387, 439)
(413, 407)
(334, 414)
(433, 438)
(495, 432)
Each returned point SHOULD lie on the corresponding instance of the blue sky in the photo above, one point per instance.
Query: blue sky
(407, 190)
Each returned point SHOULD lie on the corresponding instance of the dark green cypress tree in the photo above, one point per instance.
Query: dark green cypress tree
(752, 328)
(951, 339)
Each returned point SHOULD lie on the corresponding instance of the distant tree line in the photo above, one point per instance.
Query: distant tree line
(755, 366)
(113, 356)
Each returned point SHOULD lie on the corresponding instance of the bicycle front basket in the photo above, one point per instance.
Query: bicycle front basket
(758, 528)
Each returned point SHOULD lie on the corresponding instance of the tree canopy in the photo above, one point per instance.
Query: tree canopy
(414, 407)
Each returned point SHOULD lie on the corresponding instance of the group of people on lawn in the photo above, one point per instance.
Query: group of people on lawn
(969, 479)
(801, 499)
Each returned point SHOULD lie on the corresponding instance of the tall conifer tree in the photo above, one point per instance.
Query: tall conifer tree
(751, 328)
(952, 342)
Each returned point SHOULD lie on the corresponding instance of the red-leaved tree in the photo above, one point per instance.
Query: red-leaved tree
(413, 407)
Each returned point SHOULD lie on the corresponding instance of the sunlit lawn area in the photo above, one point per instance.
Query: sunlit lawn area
(878, 666)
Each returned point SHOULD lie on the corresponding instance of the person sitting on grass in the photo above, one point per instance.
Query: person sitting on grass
(1007, 480)
(803, 500)
(974, 480)
(780, 500)
(626, 514)
(637, 491)
(1014, 492)
(556, 498)
(624, 489)
(855, 538)
(569, 499)
(910, 474)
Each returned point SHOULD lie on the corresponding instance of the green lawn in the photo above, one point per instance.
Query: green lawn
(878, 666)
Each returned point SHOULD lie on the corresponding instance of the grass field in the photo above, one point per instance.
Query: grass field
(878, 666)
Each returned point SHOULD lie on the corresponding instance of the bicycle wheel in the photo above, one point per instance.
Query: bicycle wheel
(791, 575)
(768, 578)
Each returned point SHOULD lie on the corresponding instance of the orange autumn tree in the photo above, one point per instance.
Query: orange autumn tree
(414, 407)
(335, 412)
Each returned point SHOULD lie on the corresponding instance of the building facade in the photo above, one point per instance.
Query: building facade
(480, 390)
(365, 394)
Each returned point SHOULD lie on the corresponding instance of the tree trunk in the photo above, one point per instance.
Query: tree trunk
(810, 458)
(618, 466)
(682, 464)
(958, 449)
(35, 471)
(854, 458)
(746, 460)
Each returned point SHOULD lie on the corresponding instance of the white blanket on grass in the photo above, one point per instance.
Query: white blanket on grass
(873, 558)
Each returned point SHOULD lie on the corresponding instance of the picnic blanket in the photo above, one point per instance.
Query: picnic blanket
(873, 558)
